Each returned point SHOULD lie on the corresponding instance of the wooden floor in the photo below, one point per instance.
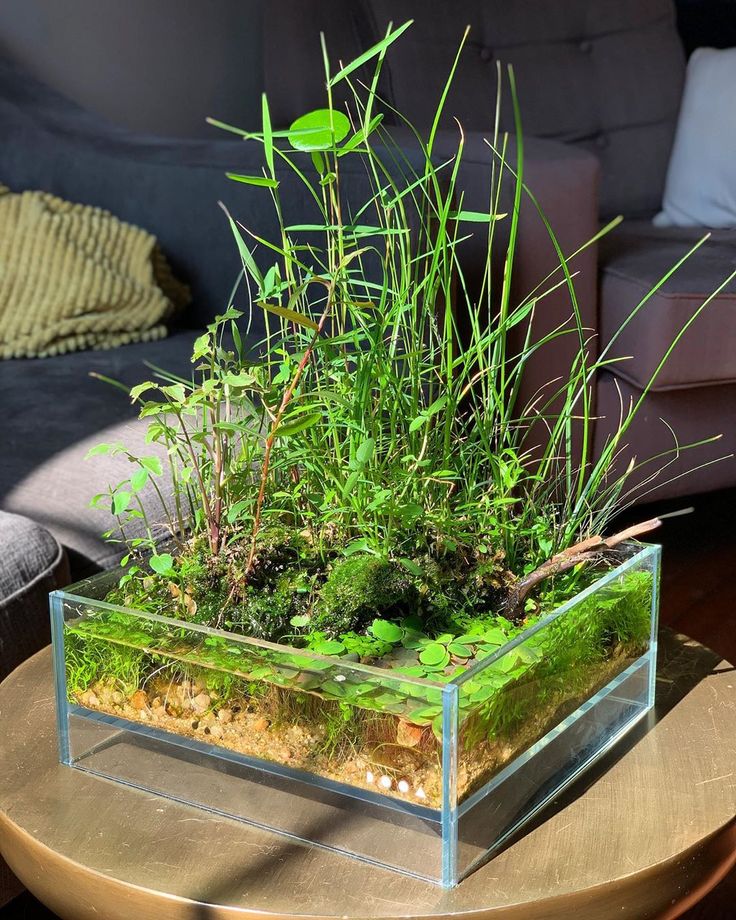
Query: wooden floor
(698, 598)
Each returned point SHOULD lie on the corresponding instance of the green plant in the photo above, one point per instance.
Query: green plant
(368, 425)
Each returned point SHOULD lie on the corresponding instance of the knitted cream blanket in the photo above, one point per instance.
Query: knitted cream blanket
(74, 277)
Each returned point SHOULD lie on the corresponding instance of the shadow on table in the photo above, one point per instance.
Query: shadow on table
(681, 665)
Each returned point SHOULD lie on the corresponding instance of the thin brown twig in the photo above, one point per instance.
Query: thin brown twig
(585, 551)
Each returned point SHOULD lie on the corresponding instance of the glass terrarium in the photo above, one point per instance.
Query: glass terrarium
(428, 776)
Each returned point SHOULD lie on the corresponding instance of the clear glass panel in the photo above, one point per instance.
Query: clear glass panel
(351, 755)
(537, 712)
(422, 776)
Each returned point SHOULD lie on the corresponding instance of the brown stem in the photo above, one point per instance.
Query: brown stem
(585, 551)
(286, 399)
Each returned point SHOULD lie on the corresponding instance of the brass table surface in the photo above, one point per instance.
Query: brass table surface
(645, 834)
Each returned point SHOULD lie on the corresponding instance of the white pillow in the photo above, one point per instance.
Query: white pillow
(701, 179)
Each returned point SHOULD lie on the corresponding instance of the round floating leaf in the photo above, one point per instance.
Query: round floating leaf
(301, 619)
(494, 636)
(389, 632)
(459, 650)
(329, 647)
(318, 130)
(434, 655)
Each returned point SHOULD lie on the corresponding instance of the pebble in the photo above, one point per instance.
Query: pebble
(260, 725)
(370, 777)
(225, 715)
(420, 793)
(403, 786)
(408, 735)
(385, 782)
(139, 700)
(92, 699)
(216, 731)
(200, 702)
(117, 697)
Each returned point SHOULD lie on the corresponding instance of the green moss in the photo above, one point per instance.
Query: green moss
(89, 660)
(360, 589)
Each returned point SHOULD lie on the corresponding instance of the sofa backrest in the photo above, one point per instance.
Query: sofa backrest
(604, 74)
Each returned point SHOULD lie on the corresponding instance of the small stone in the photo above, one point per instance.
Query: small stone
(403, 786)
(420, 793)
(156, 702)
(91, 699)
(139, 700)
(200, 702)
(385, 782)
(408, 735)
(370, 777)
(216, 731)
(117, 697)
(260, 725)
(225, 716)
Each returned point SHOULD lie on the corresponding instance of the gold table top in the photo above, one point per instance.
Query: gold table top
(644, 834)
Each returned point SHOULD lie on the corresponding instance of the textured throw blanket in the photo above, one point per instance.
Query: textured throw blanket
(75, 277)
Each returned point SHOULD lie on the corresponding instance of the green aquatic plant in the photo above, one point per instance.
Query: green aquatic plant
(381, 415)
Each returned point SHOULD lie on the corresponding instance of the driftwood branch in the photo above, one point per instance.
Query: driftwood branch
(586, 551)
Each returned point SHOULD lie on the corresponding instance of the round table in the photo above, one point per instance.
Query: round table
(644, 835)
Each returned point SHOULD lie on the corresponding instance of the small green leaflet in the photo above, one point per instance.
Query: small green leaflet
(359, 137)
(138, 480)
(365, 451)
(267, 134)
(476, 217)
(305, 421)
(245, 254)
(120, 502)
(291, 315)
(412, 567)
(372, 52)
(162, 564)
(152, 464)
(253, 180)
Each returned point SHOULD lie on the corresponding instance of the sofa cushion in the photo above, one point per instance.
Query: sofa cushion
(605, 75)
(695, 415)
(633, 258)
(53, 413)
(701, 180)
(31, 564)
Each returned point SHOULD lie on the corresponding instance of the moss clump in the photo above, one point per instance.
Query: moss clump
(360, 589)
(265, 613)
(278, 551)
